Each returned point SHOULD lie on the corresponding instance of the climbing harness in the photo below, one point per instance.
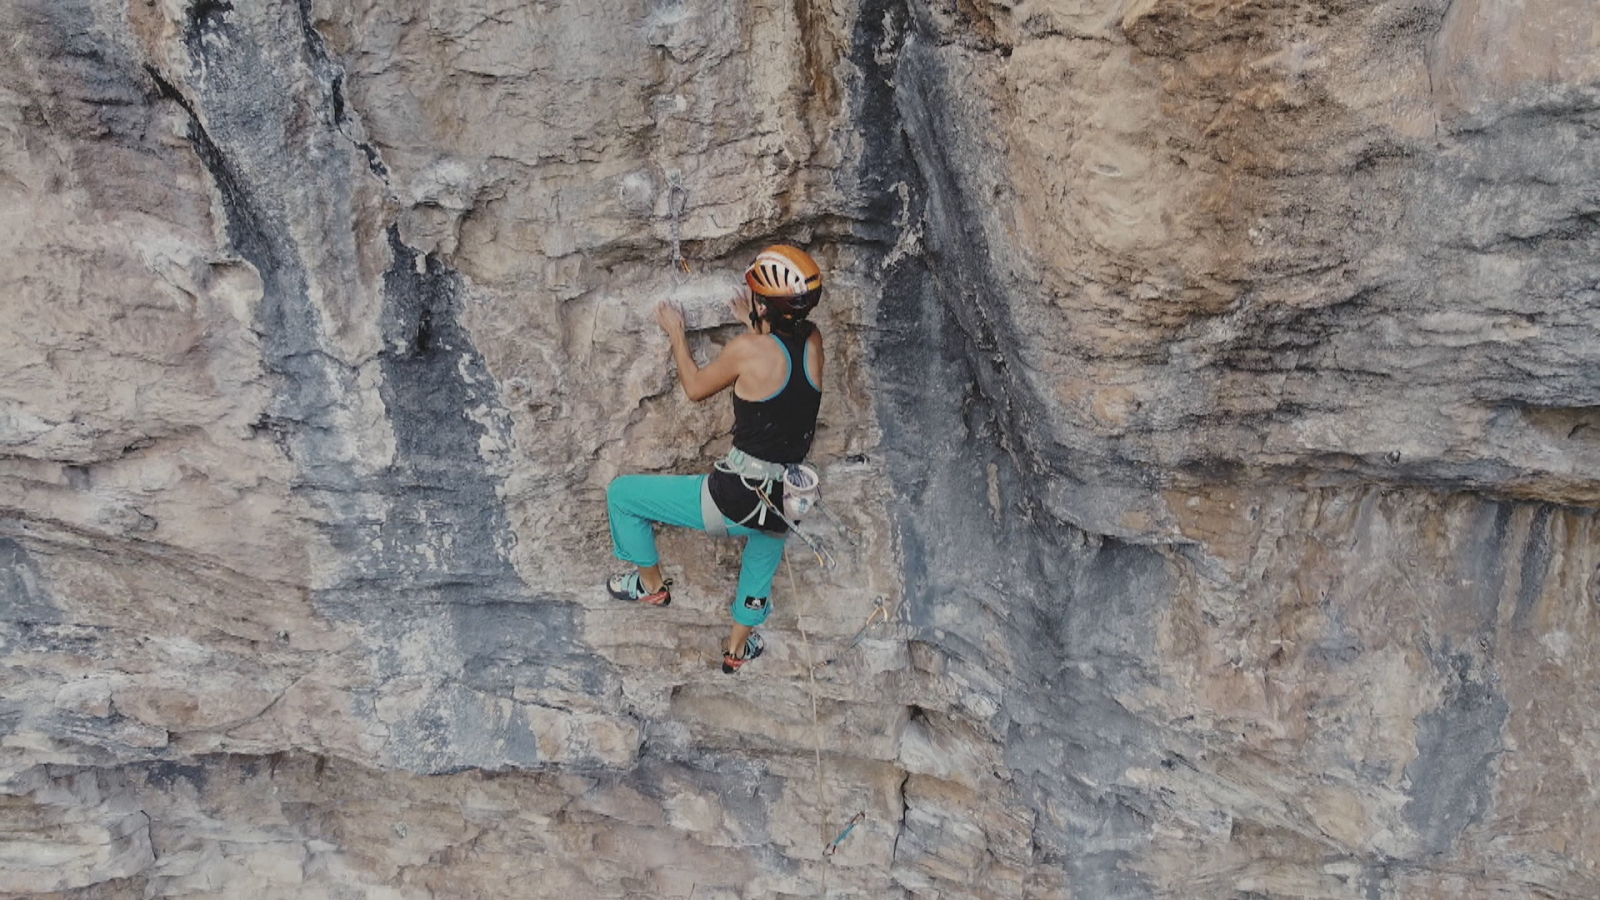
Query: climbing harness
(833, 846)
(747, 467)
(677, 202)
(801, 482)
(742, 464)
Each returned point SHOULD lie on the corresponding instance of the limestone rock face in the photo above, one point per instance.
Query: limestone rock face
(1210, 405)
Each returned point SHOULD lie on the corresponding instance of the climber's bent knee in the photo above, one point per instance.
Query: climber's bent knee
(628, 494)
(763, 550)
(667, 499)
(634, 502)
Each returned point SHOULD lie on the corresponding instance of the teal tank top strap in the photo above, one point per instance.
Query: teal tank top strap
(788, 371)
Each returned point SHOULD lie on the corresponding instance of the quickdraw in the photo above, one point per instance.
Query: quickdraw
(833, 846)
(824, 558)
(677, 202)
(880, 613)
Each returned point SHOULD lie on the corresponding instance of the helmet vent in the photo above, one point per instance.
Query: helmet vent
(783, 273)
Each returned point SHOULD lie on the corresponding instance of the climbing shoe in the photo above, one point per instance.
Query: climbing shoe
(753, 645)
(629, 588)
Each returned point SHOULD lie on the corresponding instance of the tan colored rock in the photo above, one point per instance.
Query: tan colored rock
(79, 840)
(87, 697)
(214, 706)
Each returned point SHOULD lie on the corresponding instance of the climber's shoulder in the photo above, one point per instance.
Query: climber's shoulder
(748, 346)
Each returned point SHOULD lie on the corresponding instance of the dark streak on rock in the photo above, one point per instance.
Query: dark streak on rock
(166, 775)
(1375, 878)
(335, 78)
(441, 547)
(23, 595)
(1535, 565)
(247, 231)
(205, 17)
(1452, 777)
(942, 356)
(425, 544)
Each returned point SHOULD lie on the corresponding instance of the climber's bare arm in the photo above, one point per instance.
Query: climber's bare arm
(700, 383)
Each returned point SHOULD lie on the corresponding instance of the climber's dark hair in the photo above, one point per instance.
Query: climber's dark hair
(789, 318)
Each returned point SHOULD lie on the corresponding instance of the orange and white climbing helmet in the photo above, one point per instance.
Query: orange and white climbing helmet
(785, 278)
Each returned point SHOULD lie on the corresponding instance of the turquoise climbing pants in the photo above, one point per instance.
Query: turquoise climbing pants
(636, 501)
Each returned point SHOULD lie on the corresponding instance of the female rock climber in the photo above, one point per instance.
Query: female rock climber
(776, 372)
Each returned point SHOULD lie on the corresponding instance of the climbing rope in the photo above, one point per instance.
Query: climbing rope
(879, 614)
(677, 202)
(816, 732)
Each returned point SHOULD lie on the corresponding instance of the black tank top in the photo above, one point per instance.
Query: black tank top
(777, 429)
